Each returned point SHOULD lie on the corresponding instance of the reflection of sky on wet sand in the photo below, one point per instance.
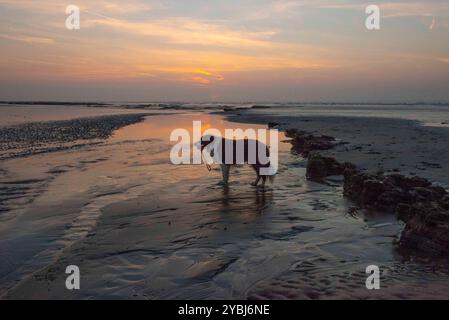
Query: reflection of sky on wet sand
(161, 126)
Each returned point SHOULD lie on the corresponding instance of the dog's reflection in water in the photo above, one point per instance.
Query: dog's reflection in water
(255, 200)
(262, 200)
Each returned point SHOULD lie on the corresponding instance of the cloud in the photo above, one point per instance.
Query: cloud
(28, 39)
(389, 9)
(196, 77)
(185, 31)
(415, 9)
(216, 44)
(118, 7)
(104, 7)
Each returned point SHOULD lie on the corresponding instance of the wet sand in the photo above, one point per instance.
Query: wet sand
(40, 137)
(372, 143)
(141, 228)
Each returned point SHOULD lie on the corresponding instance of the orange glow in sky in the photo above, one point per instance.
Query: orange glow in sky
(190, 50)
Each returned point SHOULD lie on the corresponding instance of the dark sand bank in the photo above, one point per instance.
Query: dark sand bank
(37, 137)
(375, 144)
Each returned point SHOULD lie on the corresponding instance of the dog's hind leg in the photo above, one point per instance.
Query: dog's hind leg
(258, 176)
(264, 178)
(225, 172)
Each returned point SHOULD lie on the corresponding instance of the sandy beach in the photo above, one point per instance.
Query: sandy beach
(408, 142)
(139, 227)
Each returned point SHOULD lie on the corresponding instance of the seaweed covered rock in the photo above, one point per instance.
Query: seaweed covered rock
(387, 192)
(426, 226)
(304, 143)
(423, 207)
(292, 132)
(319, 166)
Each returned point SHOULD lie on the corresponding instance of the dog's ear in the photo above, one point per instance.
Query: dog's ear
(207, 138)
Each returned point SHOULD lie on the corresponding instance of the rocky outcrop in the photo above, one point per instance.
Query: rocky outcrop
(304, 143)
(386, 192)
(319, 166)
(423, 207)
(292, 132)
(426, 226)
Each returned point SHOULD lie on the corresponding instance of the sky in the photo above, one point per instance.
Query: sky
(224, 51)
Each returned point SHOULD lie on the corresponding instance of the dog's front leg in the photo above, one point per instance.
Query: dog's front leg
(256, 182)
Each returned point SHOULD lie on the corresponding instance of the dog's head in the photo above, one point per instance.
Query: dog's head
(204, 142)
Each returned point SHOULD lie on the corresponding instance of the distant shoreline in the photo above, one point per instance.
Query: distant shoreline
(57, 103)
(218, 103)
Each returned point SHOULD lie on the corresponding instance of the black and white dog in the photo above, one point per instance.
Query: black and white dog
(228, 152)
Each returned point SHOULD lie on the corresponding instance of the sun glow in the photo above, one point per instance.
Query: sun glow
(272, 48)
